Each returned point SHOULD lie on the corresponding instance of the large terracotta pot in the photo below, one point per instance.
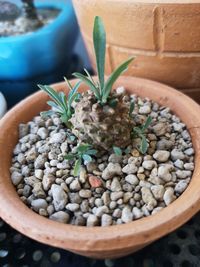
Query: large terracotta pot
(99, 242)
(163, 35)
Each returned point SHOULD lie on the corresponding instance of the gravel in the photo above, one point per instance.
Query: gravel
(112, 189)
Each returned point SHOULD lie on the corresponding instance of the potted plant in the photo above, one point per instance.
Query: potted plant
(35, 39)
(161, 35)
(112, 170)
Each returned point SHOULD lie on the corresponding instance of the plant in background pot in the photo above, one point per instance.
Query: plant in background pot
(117, 161)
(23, 30)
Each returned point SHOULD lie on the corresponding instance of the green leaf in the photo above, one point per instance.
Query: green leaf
(73, 94)
(113, 102)
(82, 148)
(144, 145)
(92, 152)
(132, 106)
(87, 158)
(70, 156)
(147, 123)
(48, 113)
(55, 106)
(117, 150)
(89, 76)
(113, 77)
(87, 81)
(51, 92)
(77, 167)
(68, 83)
(99, 41)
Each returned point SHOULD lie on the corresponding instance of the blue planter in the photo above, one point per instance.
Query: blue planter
(41, 52)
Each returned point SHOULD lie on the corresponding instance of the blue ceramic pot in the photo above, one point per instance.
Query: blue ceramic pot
(42, 51)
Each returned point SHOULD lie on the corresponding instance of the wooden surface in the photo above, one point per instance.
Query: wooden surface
(99, 242)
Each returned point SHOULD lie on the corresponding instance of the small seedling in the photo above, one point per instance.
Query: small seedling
(61, 104)
(117, 150)
(101, 88)
(84, 154)
(139, 131)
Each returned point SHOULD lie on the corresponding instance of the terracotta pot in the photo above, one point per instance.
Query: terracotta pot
(99, 242)
(163, 35)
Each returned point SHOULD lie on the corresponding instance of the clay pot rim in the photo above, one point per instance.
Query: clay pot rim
(82, 239)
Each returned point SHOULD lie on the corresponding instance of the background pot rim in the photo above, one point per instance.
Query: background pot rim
(95, 239)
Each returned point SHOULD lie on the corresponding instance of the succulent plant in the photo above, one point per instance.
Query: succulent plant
(102, 117)
(84, 153)
(61, 104)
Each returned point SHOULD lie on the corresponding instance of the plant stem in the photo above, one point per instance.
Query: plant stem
(30, 12)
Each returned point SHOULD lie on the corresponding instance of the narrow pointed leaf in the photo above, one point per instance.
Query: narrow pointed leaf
(92, 152)
(144, 145)
(132, 106)
(87, 158)
(77, 167)
(51, 92)
(87, 81)
(83, 148)
(73, 93)
(70, 156)
(68, 83)
(99, 41)
(113, 77)
(48, 113)
(55, 106)
(147, 123)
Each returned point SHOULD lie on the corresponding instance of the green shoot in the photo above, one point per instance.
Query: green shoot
(61, 104)
(84, 154)
(140, 132)
(117, 150)
(102, 88)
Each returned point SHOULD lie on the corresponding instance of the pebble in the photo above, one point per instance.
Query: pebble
(111, 170)
(94, 181)
(115, 158)
(127, 215)
(75, 185)
(16, 177)
(158, 191)
(92, 220)
(148, 198)
(43, 133)
(144, 110)
(161, 155)
(57, 138)
(60, 216)
(39, 174)
(39, 204)
(101, 210)
(183, 174)
(72, 206)
(47, 181)
(177, 154)
(106, 220)
(149, 164)
(180, 187)
(85, 193)
(60, 198)
(130, 168)
(137, 213)
(179, 164)
(106, 198)
(164, 173)
(169, 196)
(40, 161)
(189, 151)
(115, 185)
(116, 195)
(38, 190)
(132, 179)
(189, 166)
